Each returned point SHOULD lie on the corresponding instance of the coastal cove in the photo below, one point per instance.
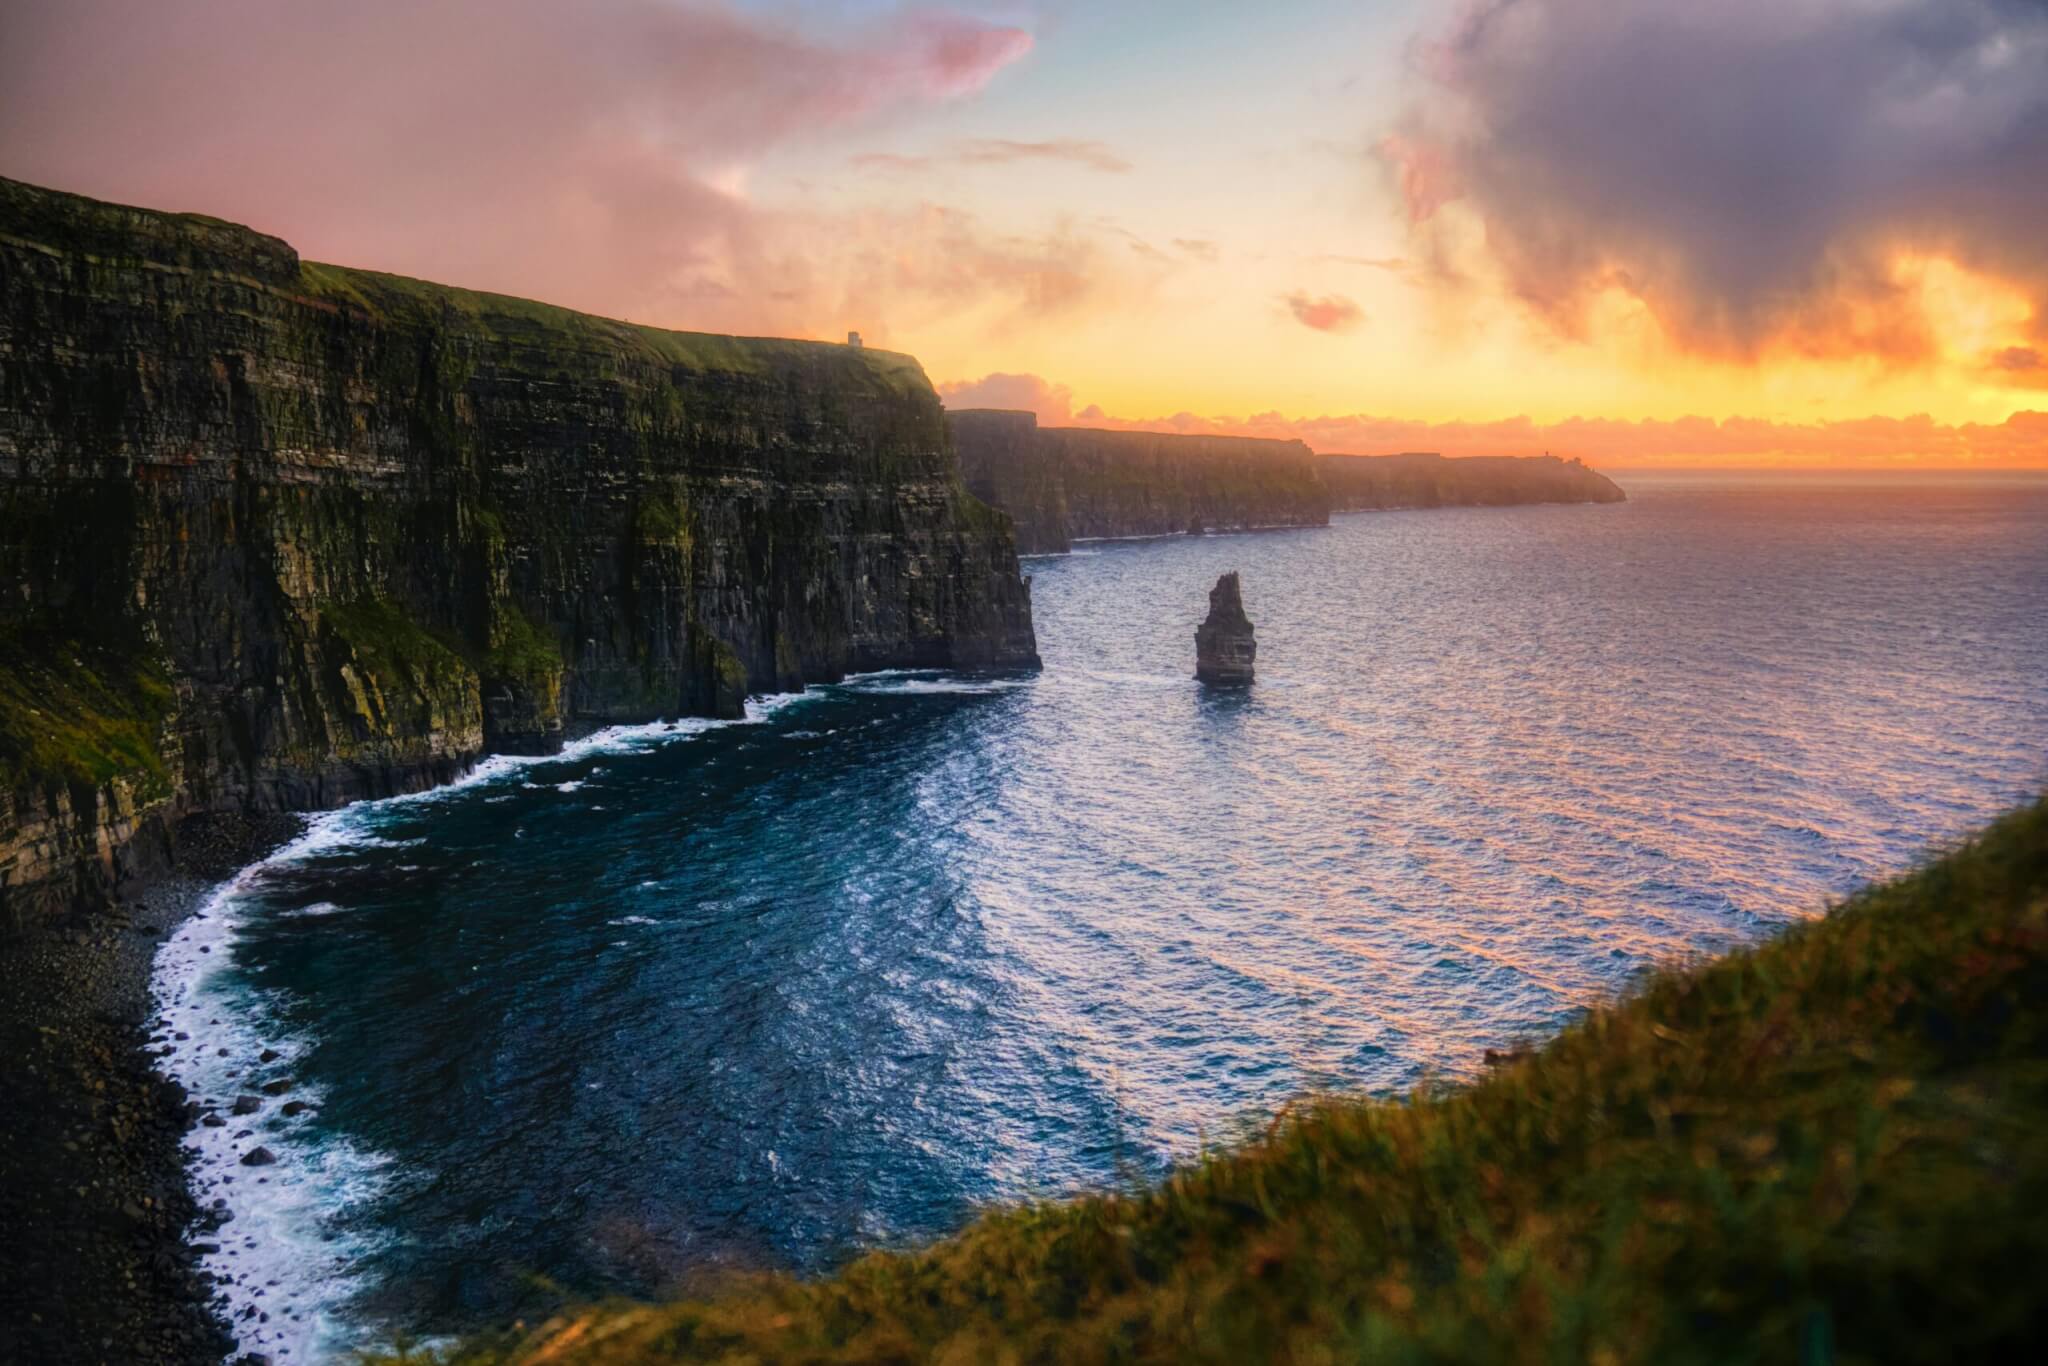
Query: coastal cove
(724, 683)
(763, 992)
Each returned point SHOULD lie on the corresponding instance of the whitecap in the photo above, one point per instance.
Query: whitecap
(293, 1248)
(287, 1224)
(922, 682)
(317, 908)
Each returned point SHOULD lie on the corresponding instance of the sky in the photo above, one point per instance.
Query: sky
(1644, 232)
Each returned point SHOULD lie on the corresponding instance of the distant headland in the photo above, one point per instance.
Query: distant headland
(1063, 484)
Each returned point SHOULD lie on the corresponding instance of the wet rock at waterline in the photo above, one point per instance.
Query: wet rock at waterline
(1224, 648)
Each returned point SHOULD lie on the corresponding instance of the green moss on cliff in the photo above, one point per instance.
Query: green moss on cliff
(78, 714)
(720, 681)
(388, 642)
(399, 681)
(526, 653)
(661, 520)
(583, 340)
(1828, 1148)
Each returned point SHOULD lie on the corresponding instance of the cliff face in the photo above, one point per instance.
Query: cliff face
(277, 535)
(1061, 484)
(1362, 482)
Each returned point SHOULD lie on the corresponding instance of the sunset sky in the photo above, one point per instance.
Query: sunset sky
(1642, 231)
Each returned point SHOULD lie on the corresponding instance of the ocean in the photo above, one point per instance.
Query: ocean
(769, 993)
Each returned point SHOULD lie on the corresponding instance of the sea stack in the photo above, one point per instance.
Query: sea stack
(1224, 647)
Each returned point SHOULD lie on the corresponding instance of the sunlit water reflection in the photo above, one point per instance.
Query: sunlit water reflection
(765, 993)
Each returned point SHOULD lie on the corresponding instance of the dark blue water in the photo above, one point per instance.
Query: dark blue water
(762, 994)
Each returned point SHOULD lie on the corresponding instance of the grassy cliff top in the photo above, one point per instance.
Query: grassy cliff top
(1832, 1147)
(1515, 478)
(69, 224)
(1189, 443)
(401, 300)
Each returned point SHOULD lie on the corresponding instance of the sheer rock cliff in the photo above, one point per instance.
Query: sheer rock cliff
(1062, 484)
(1360, 483)
(275, 535)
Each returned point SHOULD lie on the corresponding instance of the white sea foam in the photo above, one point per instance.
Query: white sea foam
(287, 1244)
(289, 1259)
(918, 682)
(317, 908)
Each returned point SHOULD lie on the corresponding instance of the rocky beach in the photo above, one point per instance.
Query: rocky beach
(98, 1260)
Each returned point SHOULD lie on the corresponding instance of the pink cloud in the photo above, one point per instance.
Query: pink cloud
(590, 154)
(1089, 155)
(1330, 313)
(1054, 403)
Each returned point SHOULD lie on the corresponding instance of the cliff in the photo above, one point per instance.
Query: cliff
(1826, 1148)
(1359, 483)
(1062, 484)
(275, 535)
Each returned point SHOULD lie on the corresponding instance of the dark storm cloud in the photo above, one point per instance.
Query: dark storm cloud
(1748, 168)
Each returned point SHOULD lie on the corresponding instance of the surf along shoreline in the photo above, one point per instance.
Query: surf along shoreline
(108, 1252)
(101, 1237)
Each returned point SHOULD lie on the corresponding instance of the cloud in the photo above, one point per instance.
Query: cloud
(1330, 313)
(1093, 156)
(1751, 170)
(945, 257)
(591, 154)
(891, 161)
(2020, 442)
(1396, 265)
(1198, 248)
(1054, 403)
(2021, 366)
(1000, 151)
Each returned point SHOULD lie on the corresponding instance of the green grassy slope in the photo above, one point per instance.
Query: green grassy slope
(1833, 1147)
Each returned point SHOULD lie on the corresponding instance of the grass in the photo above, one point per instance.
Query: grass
(78, 714)
(419, 680)
(526, 653)
(1830, 1148)
(566, 333)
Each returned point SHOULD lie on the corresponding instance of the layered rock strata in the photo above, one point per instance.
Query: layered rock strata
(1359, 483)
(1063, 484)
(274, 535)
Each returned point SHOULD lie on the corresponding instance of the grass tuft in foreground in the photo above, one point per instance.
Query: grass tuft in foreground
(1833, 1147)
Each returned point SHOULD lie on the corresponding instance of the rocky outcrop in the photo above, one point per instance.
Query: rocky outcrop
(1359, 483)
(274, 535)
(1062, 484)
(1224, 648)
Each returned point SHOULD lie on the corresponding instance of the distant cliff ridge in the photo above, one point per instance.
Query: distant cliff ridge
(274, 535)
(1062, 484)
(1415, 480)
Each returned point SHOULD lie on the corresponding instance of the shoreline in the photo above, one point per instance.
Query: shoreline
(103, 1235)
